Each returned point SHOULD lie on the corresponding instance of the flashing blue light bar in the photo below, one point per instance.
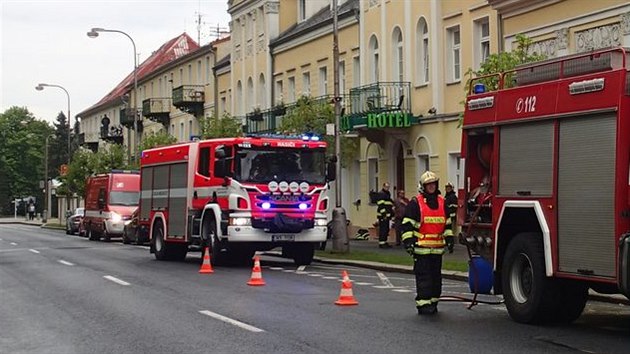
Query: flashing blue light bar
(266, 205)
(303, 206)
(479, 88)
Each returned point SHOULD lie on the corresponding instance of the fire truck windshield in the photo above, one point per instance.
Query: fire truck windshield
(124, 198)
(278, 164)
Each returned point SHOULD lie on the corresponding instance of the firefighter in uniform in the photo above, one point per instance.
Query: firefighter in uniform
(451, 203)
(385, 212)
(423, 236)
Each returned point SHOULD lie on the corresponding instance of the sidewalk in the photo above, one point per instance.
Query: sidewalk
(52, 223)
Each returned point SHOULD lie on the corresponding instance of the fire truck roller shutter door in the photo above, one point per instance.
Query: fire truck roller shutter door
(177, 197)
(146, 192)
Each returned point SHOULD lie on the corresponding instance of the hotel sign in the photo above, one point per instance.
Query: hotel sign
(378, 121)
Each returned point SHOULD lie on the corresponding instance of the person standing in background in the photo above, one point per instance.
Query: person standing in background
(384, 213)
(451, 203)
(399, 213)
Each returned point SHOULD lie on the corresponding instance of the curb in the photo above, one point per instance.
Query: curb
(19, 223)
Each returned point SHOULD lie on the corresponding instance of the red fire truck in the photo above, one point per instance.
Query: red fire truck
(547, 196)
(236, 196)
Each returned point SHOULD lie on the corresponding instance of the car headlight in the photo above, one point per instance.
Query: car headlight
(240, 221)
(116, 217)
(321, 222)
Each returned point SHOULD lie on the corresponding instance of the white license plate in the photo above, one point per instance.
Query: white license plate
(275, 238)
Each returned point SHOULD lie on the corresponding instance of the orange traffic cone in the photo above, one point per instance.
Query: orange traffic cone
(346, 298)
(256, 279)
(206, 266)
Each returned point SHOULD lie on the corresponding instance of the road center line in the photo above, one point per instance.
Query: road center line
(65, 262)
(13, 244)
(231, 321)
(385, 280)
(34, 251)
(116, 280)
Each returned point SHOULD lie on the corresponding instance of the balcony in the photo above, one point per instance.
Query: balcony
(270, 120)
(157, 109)
(81, 139)
(189, 99)
(379, 105)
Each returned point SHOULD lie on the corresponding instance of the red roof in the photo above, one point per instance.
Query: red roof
(169, 51)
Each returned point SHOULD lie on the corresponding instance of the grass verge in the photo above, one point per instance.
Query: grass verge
(399, 259)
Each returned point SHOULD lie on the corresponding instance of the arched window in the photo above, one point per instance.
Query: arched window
(262, 91)
(422, 51)
(374, 62)
(397, 55)
(250, 95)
(239, 99)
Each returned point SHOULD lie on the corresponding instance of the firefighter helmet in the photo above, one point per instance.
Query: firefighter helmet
(426, 178)
(449, 184)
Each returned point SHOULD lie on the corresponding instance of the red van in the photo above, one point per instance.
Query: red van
(110, 199)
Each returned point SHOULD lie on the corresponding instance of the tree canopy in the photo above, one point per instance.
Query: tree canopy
(223, 127)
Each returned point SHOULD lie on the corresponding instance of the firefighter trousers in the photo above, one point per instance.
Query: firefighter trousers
(428, 271)
(383, 230)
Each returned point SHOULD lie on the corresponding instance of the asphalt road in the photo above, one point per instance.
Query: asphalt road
(65, 294)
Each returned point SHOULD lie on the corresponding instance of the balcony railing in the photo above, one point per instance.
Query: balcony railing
(270, 120)
(189, 98)
(378, 98)
(157, 109)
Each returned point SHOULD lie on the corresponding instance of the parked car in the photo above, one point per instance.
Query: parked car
(73, 222)
(133, 233)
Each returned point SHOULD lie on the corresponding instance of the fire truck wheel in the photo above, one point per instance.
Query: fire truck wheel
(526, 288)
(159, 246)
(303, 253)
(125, 236)
(90, 234)
(569, 301)
(208, 235)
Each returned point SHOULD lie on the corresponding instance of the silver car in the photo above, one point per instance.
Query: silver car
(73, 222)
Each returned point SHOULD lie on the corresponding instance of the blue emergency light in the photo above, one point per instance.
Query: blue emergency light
(479, 88)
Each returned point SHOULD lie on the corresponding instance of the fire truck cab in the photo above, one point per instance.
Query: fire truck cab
(546, 197)
(236, 196)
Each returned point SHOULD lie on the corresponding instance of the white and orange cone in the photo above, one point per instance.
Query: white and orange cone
(346, 298)
(256, 278)
(206, 266)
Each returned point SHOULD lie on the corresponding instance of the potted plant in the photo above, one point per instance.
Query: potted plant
(255, 115)
(279, 109)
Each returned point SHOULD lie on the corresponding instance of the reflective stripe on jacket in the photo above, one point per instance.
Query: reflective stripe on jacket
(432, 225)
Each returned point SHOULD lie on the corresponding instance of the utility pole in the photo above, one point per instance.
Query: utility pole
(340, 228)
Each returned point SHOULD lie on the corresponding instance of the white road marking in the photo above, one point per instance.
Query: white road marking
(116, 280)
(34, 251)
(382, 287)
(301, 268)
(385, 280)
(402, 290)
(363, 283)
(276, 268)
(0, 239)
(288, 270)
(314, 275)
(65, 262)
(330, 278)
(13, 244)
(231, 321)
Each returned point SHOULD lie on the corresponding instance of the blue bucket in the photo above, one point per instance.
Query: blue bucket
(480, 271)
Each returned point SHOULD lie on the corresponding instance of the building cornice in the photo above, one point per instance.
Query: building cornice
(510, 8)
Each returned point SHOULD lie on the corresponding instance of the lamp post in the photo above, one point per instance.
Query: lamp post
(40, 87)
(340, 229)
(94, 32)
(46, 185)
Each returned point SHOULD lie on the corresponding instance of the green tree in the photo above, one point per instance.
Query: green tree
(224, 127)
(22, 139)
(161, 138)
(58, 146)
(309, 116)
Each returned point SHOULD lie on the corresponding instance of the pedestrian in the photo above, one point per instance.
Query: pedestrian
(399, 213)
(423, 236)
(31, 211)
(451, 203)
(385, 212)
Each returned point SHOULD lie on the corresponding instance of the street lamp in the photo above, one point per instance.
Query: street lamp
(94, 32)
(40, 87)
(46, 185)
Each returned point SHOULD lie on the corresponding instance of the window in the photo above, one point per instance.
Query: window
(323, 81)
(208, 70)
(181, 131)
(306, 84)
(190, 74)
(455, 170)
(454, 55)
(250, 95)
(199, 73)
(356, 72)
(160, 87)
(301, 10)
(342, 77)
(181, 76)
(190, 129)
(482, 41)
(374, 63)
(262, 91)
(279, 89)
(373, 174)
(239, 99)
(423, 164)
(398, 55)
(222, 105)
(172, 132)
(203, 167)
(291, 89)
(422, 51)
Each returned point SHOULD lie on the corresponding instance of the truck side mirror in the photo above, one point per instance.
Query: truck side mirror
(331, 169)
